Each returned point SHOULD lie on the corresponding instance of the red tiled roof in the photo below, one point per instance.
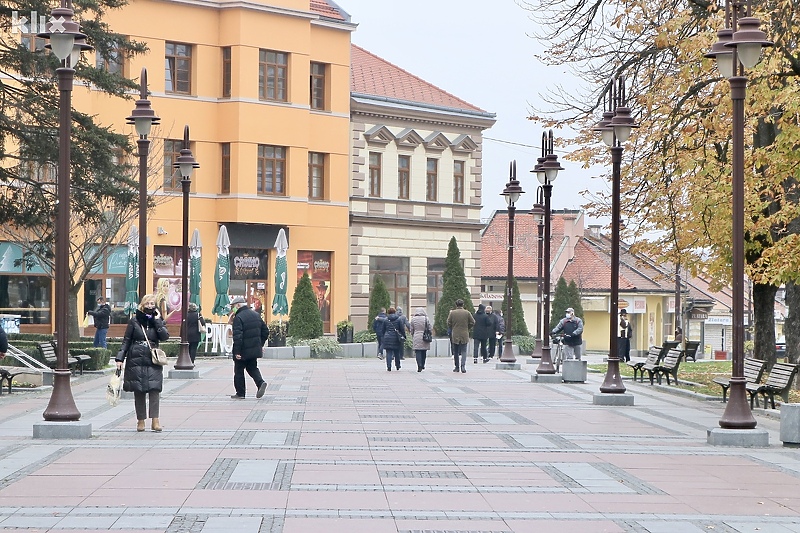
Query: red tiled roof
(325, 9)
(494, 244)
(372, 75)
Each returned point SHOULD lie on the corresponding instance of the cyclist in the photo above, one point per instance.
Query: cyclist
(572, 327)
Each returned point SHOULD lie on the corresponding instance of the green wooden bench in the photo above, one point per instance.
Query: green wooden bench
(753, 372)
(668, 367)
(690, 351)
(779, 381)
(651, 361)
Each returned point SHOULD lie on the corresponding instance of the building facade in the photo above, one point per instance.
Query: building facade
(415, 182)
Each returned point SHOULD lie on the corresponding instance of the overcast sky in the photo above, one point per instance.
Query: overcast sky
(480, 51)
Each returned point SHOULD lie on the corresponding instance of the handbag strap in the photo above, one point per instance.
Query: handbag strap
(144, 332)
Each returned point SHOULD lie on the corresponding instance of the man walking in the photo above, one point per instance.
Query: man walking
(249, 335)
(379, 327)
(459, 321)
(102, 318)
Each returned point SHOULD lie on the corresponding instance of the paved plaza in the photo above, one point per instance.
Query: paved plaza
(345, 446)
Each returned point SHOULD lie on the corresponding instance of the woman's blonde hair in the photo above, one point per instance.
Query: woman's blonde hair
(145, 298)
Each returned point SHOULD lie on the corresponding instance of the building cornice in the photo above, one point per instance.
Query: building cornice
(421, 222)
(384, 107)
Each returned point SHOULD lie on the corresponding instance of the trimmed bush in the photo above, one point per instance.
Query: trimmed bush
(305, 321)
(378, 298)
(518, 326)
(454, 287)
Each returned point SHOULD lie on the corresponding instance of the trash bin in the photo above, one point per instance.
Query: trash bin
(790, 424)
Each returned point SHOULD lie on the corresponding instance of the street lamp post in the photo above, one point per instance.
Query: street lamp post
(512, 192)
(538, 218)
(615, 129)
(143, 118)
(66, 42)
(738, 47)
(186, 164)
(546, 173)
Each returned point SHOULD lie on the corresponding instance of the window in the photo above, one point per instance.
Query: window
(458, 182)
(435, 283)
(403, 176)
(394, 273)
(272, 75)
(271, 170)
(112, 62)
(178, 62)
(374, 174)
(317, 86)
(316, 176)
(226, 72)
(432, 178)
(226, 168)
(172, 178)
(39, 172)
(31, 41)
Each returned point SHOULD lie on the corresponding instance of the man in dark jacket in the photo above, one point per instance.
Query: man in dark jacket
(102, 318)
(3, 342)
(379, 327)
(249, 335)
(572, 326)
(480, 333)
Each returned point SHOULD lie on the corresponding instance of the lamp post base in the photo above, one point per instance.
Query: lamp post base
(740, 438)
(506, 366)
(612, 384)
(62, 430)
(62, 406)
(737, 413)
(183, 374)
(546, 364)
(508, 352)
(546, 378)
(184, 361)
(623, 399)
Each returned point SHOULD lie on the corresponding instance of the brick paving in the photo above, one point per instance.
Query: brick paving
(344, 446)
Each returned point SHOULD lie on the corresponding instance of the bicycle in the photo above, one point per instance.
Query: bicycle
(558, 352)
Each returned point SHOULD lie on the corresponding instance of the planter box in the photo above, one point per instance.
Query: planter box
(352, 350)
(370, 349)
(573, 371)
(302, 352)
(720, 355)
(440, 347)
(279, 352)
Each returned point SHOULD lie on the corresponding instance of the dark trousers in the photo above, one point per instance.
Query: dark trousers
(492, 344)
(421, 356)
(459, 352)
(624, 348)
(140, 403)
(393, 353)
(482, 344)
(239, 366)
(193, 350)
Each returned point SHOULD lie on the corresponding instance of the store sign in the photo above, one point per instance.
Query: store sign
(248, 264)
(719, 320)
(698, 314)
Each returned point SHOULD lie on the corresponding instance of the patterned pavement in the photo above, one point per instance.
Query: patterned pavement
(344, 446)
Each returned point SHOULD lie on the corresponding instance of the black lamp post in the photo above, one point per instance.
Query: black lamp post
(538, 218)
(738, 47)
(512, 192)
(67, 43)
(186, 164)
(615, 129)
(144, 118)
(546, 173)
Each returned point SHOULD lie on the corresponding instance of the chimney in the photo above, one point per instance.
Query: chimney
(594, 231)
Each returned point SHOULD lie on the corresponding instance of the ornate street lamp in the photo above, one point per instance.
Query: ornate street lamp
(738, 47)
(185, 163)
(538, 218)
(512, 192)
(615, 129)
(143, 118)
(546, 173)
(67, 43)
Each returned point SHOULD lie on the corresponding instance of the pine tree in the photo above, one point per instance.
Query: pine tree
(454, 287)
(305, 321)
(561, 300)
(519, 327)
(378, 299)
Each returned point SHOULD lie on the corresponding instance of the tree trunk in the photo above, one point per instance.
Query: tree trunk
(73, 331)
(764, 322)
(792, 325)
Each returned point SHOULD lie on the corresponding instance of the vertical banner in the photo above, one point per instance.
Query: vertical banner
(318, 267)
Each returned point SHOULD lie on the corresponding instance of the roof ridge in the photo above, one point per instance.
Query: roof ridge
(427, 83)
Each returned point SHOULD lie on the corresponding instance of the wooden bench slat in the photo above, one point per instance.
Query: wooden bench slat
(779, 382)
(753, 372)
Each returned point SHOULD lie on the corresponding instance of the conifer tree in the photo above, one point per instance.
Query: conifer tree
(518, 327)
(378, 298)
(575, 299)
(561, 300)
(454, 287)
(305, 320)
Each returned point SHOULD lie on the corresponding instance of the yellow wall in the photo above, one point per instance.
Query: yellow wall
(245, 122)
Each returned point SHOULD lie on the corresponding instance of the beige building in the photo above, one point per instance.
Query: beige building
(415, 184)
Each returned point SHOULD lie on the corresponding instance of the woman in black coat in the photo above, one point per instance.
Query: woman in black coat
(195, 325)
(142, 377)
(393, 338)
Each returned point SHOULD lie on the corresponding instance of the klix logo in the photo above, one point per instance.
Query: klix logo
(35, 24)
